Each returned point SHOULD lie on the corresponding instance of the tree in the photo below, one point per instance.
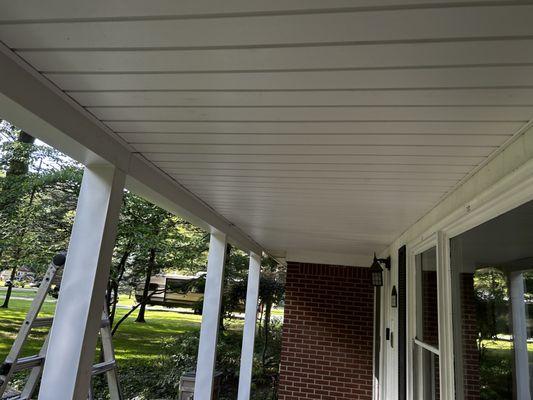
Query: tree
(149, 270)
(116, 275)
(492, 296)
(14, 187)
(17, 153)
(38, 198)
(151, 240)
(271, 292)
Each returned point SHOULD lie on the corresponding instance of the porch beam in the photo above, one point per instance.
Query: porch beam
(248, 339)
(518, 310)
(207, 351)
(72, 343)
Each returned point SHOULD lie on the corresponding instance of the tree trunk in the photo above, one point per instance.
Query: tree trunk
(114, 285)
(10, 286)
(136, 306)
(261, 312)
(149, 269)
(266, 330)
(222, 312)
(9, 201)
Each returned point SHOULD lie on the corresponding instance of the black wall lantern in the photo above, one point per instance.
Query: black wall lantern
(377, 271)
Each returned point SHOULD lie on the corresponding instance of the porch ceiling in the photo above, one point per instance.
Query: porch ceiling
(315, 127)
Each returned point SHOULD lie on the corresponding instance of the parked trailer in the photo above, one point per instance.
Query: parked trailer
(174, 291)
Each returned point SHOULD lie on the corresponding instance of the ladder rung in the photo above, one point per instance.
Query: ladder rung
(102, 367)
(27, 362)
(10, 394)
(36, 362)
(40, 322)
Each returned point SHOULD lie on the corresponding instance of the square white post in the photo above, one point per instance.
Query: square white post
(72, 345)
(248, 338)
(207, 351)
(518, 309)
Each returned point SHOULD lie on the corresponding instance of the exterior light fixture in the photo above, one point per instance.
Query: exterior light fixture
(394, 298)
(377, 271)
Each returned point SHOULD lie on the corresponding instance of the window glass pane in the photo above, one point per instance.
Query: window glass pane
(492, 287)
(180, 286)
(426, 362)
(428, 385)
(528, 303)
(427, 304)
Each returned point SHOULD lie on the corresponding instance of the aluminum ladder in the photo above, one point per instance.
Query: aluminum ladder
(35, 363)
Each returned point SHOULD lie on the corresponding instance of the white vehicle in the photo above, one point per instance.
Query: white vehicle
(174, 291)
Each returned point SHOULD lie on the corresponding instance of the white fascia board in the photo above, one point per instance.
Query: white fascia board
(31, 102)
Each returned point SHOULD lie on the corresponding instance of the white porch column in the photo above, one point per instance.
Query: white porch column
(73, 335)
(248, 337)
(207, 350)
(518, 307)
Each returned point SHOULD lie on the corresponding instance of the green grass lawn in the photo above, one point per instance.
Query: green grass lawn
(139, 347)
(496, 369)
(503, 345)
(132, 340)
(135, 343)
(10, 321)
(18, 292)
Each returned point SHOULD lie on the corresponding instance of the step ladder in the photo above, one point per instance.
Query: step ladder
(35, 363)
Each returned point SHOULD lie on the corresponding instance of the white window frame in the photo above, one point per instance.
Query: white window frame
(510, 192)
(440, 241)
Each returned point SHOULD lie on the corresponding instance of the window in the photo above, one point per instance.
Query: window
(492, 285)
(426, 343)
(180, 286)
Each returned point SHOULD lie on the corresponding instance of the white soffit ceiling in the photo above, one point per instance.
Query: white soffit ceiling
(314, 126)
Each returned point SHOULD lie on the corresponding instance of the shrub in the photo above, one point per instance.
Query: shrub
(159, 379)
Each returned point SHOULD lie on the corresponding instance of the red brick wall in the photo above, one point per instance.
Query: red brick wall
(327, 334)
(430, 321)
(470, 333)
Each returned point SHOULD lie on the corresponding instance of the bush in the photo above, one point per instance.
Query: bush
(496, 374)
(159, 379)
(181, 354)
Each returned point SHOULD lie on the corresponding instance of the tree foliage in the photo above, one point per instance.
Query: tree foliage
(492, 303)
(38, 194)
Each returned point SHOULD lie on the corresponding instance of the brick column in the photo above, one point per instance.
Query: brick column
(328, 333)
